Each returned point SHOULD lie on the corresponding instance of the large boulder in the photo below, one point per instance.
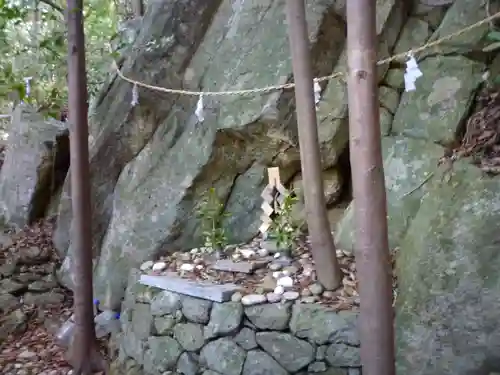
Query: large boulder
(332, 112)
(423, 118)
(157, 194)
(442, 100)
(408, 164)
(35, 165)
(460, 14)
(169, 36)
(449, 279)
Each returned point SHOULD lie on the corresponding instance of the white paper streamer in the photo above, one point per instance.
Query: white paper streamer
(199, 110)
(412, 73)
(135, 96)
(27, 81)
(317, 92)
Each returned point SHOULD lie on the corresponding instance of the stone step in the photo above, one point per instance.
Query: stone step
(228, 265)
(200, 289)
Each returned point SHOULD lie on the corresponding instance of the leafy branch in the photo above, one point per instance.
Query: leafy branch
(211, 213)
(284, 229)
(33, 43)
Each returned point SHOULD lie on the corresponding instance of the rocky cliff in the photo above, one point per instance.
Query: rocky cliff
(151, 164)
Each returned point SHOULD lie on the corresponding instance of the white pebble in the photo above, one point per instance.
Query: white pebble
(146, 265)
(275, 266)
(277, 274)
(316, 289)
(26, 354)
(194, 251)
(279, 290)
(160, 266)
(273, 298)
(188, 267)
(263, 252)
(309, 299)
(199, 266)
(286, 281)
(236, 256)
(253, 299)
(290, 296)
(236, 297)
(277, 255)
(308, 270)
(286, 272)
(247, 253)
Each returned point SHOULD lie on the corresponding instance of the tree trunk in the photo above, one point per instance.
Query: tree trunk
(138, 8)
(370, 211)
(83, 352)
(322, 246)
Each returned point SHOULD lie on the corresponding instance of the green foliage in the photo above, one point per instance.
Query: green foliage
(494, 37)
(33, 37)
(211, 213)
(284, 229)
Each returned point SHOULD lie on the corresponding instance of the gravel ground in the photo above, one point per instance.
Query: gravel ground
(34, 351)
(42, 305)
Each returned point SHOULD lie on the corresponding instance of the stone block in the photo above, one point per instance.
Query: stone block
(205, 290)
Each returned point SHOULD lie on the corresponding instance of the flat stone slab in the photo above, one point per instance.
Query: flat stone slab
(244, 267)
(199, 289)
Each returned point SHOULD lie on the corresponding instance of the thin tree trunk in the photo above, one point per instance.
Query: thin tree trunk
(138, 7)
(371, 239)
(83, 352)
(322, 246)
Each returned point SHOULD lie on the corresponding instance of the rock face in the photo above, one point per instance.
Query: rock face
(447, 261)
(157, 193)
(434, 111)
(424, 118)
(152, 164)
(35, 165)
(407, 162)
(304, 339)
(449, 288)
(118, 130)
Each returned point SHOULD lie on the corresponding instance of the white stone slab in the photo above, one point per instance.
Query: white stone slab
(199, 289)
(230, 266)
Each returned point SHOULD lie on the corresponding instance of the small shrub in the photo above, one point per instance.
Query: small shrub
(284, 229)
(211, 213)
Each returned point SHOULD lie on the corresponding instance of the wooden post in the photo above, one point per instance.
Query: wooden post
(84, 353)
(322, 245)
(370, 211)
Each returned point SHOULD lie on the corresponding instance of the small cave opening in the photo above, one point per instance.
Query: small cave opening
(337, 209)
(51, 176)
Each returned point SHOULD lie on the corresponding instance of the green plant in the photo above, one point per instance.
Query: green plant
(284, 229)
(494, 38)
(211, 213)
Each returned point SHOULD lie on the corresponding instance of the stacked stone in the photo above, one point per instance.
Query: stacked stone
(169, 333)
(27, 278)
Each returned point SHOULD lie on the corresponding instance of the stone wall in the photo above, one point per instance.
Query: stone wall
(169, 333)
